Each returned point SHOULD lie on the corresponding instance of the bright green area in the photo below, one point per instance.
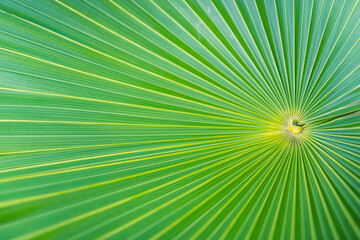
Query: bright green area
(170, 119)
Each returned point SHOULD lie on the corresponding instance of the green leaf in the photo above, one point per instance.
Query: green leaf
(174, 119)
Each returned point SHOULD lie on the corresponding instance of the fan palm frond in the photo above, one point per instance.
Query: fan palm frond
(179, 119)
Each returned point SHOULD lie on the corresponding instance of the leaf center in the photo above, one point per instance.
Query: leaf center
(295, 127)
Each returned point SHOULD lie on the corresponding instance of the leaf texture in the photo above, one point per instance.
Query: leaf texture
(152, 119)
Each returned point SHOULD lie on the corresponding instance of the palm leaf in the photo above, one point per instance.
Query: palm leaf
(173, 119)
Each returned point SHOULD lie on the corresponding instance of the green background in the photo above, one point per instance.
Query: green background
(169, 119)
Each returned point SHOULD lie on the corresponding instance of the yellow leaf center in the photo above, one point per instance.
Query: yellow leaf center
(295, 127)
